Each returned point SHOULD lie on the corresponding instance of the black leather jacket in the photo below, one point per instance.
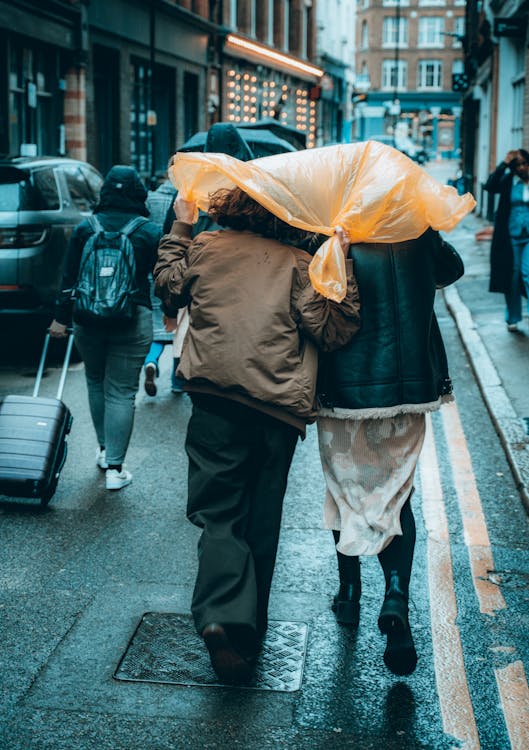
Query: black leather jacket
(398, 356)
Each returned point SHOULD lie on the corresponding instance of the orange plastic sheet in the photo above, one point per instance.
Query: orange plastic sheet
(373, 191)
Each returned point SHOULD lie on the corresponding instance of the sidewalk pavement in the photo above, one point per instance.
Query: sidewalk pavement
(498, 358)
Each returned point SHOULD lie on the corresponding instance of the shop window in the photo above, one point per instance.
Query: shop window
(140, 141)
(190, 104)
(35, 106)
(152, 116)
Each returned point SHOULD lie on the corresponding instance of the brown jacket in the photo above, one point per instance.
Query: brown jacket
(255, 320)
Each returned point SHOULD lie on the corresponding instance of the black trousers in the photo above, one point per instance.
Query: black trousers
(239, 460)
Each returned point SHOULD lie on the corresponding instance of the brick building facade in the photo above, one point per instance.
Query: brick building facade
(406, 54)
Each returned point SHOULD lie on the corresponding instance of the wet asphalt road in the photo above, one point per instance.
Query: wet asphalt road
(76, 578)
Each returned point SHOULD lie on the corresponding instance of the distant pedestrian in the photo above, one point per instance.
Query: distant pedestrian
(160, 206)
(374, 393)
(249, 362)
(113, 354)
(509, 252)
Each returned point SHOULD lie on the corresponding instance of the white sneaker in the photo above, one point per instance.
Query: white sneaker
(101, 459)
(512, 327)
(116, 480)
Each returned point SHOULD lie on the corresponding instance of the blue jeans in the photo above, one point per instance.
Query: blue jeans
(113, 362)
(520, 274)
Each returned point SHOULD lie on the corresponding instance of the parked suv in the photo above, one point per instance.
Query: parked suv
(42, 199)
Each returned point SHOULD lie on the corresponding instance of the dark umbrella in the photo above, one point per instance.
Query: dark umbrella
(261, 142)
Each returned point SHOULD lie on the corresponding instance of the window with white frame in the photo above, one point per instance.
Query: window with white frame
(393, 3)
(233, 13)
(459, 29)
(394, 75)
(394, 34)
(426, 3)
(431, 31)
(429, 74)
(364, 36)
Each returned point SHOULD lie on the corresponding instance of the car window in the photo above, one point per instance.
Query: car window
(46, 189)
(10, 195)
(80, 193)
(94, 181)
(16, 191)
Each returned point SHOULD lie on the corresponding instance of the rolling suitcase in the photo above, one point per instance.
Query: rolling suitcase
(33, 433)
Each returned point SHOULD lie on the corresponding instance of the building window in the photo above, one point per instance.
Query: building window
(364, 36)
(459, 29)
(430, 74)
(394, 75)
(34, 100)
(426, 3)
(270, 26)
(305, 26)
(253, 18)
(233, 13)
(431, 31)
(393, 3)
(140, 141)
(286, 25)
(394, 34)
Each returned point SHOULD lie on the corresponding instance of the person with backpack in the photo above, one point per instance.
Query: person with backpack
(105, 288)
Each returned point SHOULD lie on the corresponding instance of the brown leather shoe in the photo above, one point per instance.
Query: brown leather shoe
(229, 665)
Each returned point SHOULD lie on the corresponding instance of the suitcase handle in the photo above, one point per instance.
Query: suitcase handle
(65, 364)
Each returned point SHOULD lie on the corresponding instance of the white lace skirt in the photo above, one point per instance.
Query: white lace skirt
(369, 466)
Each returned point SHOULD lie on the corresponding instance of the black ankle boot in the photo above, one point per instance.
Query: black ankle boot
(346, 604)
(394, 612)
(400, 656)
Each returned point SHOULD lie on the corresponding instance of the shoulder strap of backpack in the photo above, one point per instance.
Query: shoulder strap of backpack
(132, 225)
(95, 224)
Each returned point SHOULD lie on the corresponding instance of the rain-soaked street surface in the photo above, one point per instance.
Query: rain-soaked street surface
(77, 579)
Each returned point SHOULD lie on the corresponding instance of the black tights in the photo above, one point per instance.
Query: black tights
(398, 555)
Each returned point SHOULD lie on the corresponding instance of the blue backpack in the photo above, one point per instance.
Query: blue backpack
(106, 281)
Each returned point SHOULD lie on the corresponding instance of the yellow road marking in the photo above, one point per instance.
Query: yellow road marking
(514, 695)
(474, 526)
(452, 688)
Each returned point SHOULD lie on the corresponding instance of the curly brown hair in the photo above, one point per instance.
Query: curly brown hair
(237, 210)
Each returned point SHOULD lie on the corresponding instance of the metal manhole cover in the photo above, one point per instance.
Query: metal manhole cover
(165, 648)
